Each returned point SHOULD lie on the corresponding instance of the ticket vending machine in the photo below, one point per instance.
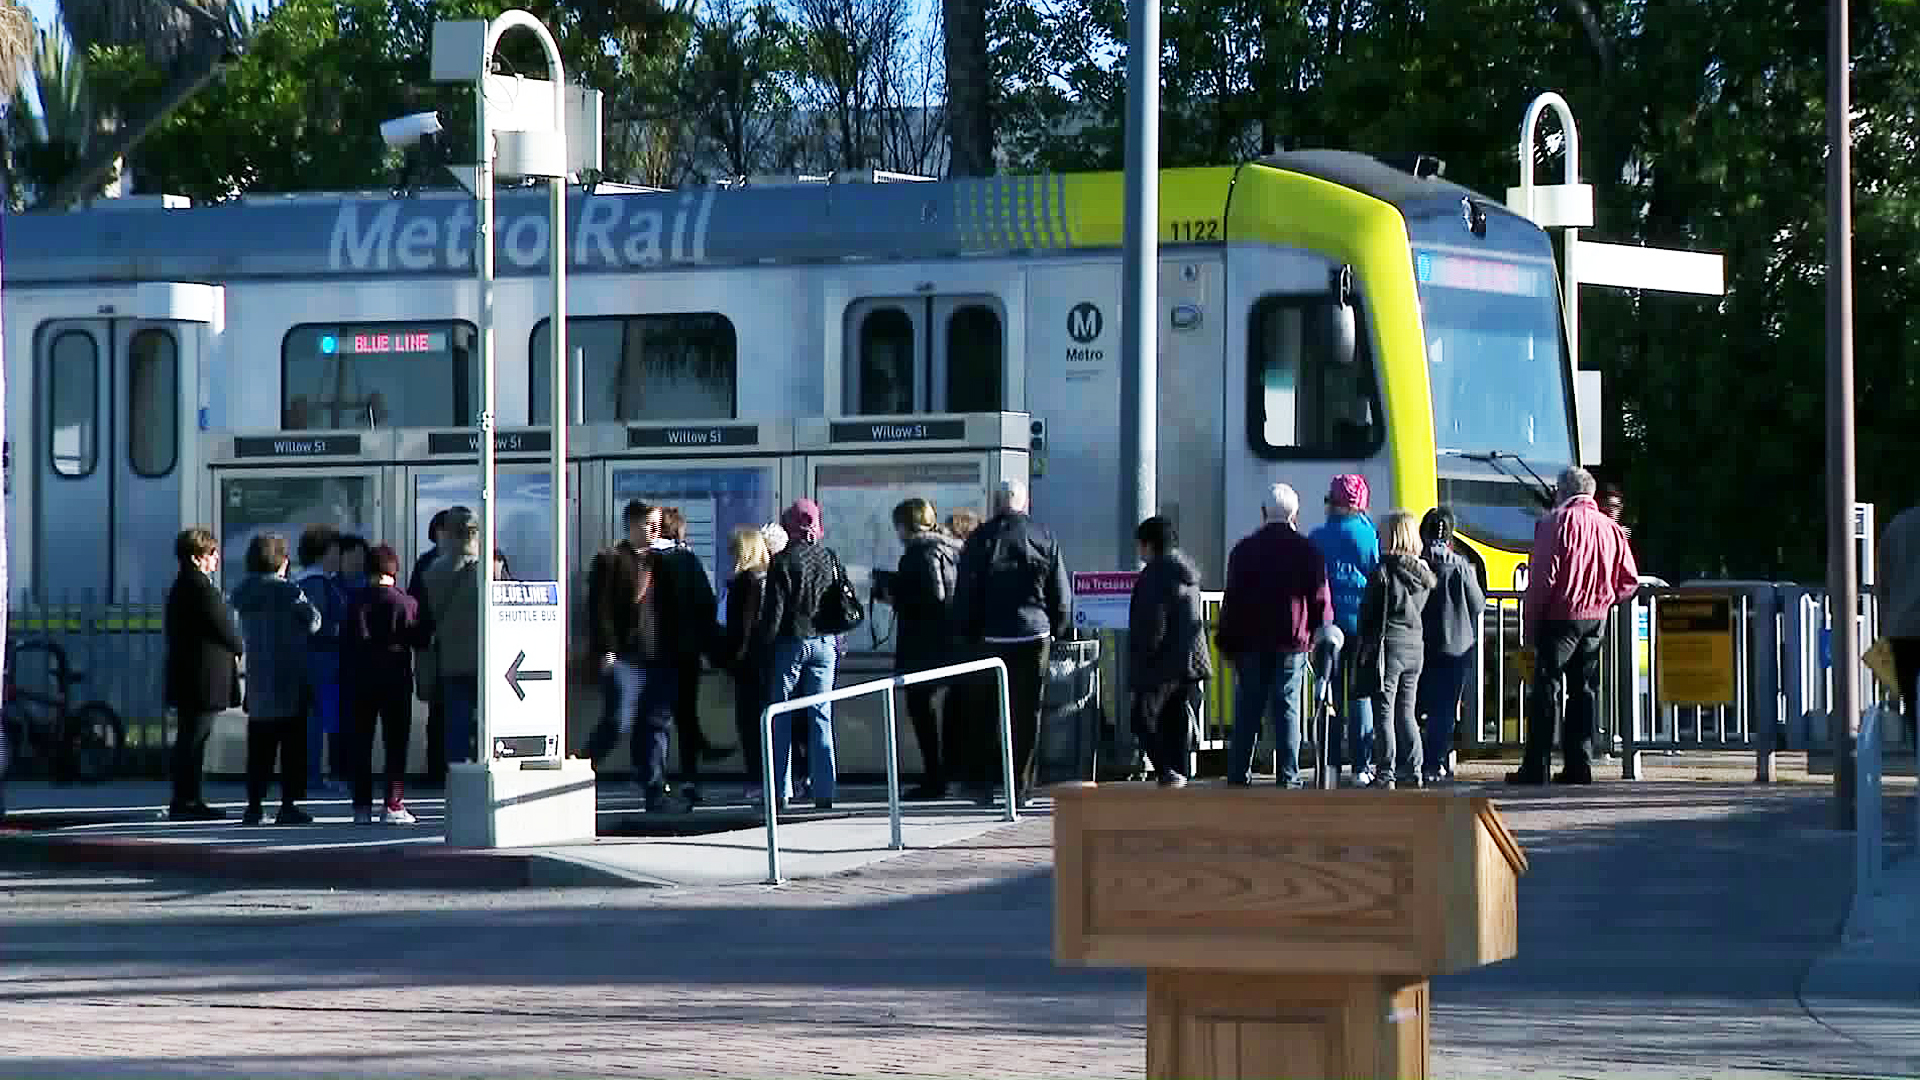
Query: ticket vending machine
(283, 483)
(722, 475)
(858, 469)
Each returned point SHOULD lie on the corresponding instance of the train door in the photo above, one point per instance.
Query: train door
(925, 354)
(108, 459)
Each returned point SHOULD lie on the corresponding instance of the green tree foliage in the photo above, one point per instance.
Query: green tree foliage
(302, 108)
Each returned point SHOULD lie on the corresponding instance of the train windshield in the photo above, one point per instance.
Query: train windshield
(1494, 356)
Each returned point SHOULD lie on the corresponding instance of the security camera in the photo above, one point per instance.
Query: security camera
(410, 130)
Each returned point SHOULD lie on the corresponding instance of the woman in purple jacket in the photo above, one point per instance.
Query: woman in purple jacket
(382, 630)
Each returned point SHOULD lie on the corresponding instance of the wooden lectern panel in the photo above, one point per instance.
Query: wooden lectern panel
(1216, 878)
(1232, 1025)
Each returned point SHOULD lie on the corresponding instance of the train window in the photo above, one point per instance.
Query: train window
(73, 403)
(641, 367)
(886, 363)
(372, 375)
(153, 402)
(975, 350)
(1301, 401)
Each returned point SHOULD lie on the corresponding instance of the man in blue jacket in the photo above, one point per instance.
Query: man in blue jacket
(1351, 546)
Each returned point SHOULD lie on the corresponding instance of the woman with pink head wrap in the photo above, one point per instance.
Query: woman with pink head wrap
(804, 656)
(1351, 546)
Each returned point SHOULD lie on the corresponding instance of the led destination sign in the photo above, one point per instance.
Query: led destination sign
(385, 341)
(1479, 275)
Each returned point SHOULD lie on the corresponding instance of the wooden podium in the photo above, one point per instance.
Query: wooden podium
(1287, 935)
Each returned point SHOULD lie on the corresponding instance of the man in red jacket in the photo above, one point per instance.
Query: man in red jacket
(1582, 565)
(1277, 596)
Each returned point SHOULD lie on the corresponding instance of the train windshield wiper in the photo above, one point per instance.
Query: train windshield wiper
(1544, 492)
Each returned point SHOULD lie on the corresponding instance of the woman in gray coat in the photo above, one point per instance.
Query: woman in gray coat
(276, 619)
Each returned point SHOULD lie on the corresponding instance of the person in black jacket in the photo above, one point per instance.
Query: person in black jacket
(736, 652)
(1167, 659)
(690, 610)
(1452, 622)
(803, 655)
(1392, 627)
(921, 593)
(626, 630)
(417, 588)
(1013, 597)
(203, 667)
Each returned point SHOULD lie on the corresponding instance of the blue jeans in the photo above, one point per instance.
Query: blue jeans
(802, 667)
(1264, 680)
(1441, 683)
(1357, 708)
(460, 698)
(639, 700)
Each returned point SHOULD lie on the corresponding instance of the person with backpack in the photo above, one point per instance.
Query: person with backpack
(921, 594)
(1451, 623)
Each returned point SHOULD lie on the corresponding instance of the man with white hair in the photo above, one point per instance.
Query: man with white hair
(1581, 566)
(1277, 596)
(1012, 596)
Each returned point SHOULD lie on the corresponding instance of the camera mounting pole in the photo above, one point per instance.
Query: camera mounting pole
(499, 806)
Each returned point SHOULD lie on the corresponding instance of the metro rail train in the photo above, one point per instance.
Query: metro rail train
(1320, 312)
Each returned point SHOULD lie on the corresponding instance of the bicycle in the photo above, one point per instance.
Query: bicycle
(81, 743)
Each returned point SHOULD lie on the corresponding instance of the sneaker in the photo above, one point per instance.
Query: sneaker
(292, 815)
(691, 794)
(823, 804)
(1172, 780)
(363, 815)
(1363, 778)
(196, 812)
(397, 815)
(927, 793)
(253, 816)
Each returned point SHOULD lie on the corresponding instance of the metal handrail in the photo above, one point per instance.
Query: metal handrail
(914, 678)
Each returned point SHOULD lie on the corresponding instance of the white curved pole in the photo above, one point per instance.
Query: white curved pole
(557, 382)
(1570, 285)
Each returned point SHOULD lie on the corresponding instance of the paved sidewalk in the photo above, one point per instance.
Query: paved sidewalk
(123, 827)
(1667, 929)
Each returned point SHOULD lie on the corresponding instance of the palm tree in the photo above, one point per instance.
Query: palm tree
(167, 30)
(16, 46)
(969, 87)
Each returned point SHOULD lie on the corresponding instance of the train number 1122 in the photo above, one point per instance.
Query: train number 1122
(1205, 229)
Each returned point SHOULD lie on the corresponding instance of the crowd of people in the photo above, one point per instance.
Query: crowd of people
(335, 651)
(338, 648)
(961, 590)
(1404, 603)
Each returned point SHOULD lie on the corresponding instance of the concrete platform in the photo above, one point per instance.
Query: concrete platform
(722, 842)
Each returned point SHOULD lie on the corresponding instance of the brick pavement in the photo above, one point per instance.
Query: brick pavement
(1665, 930)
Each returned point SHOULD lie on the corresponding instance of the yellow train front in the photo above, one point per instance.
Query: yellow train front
(1452, 387)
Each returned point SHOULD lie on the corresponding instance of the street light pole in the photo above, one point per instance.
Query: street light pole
(1140, 278)
(1843, 590)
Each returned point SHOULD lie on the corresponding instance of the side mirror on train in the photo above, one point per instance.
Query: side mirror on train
(1338, 328)
(1339, 332)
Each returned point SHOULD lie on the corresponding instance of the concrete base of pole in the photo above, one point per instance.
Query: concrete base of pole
(504, 804)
